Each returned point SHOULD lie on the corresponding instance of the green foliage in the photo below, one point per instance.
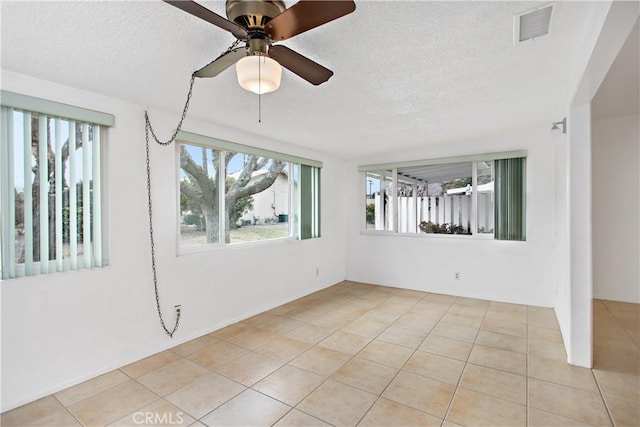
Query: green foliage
(484, 179)
(187, 203)
(201, 197)
(66, 213)
(430, 227)
(371, 213)
(194, 219)
(241, 207)
(19, 210)
(456, 183)
(184, 201)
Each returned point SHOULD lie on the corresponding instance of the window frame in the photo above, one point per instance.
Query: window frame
(393, 167)
(193, 139)
(99, 254)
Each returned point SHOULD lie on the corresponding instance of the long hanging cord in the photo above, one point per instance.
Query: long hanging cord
(149, 129)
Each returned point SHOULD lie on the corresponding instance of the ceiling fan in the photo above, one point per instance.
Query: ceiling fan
(259, 24)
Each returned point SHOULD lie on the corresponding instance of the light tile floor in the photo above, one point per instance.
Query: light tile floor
(357, 354)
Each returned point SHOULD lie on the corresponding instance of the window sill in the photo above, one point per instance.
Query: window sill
(21, 274)
(190, 250)
(429, 235)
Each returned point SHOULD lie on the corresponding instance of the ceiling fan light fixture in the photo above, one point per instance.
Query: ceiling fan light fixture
(258, 74)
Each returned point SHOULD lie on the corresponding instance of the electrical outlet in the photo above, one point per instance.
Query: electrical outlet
(457, 275)
(178, 309)
(317, 271)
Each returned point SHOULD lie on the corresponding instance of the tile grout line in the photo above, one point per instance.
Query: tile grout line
(606, 405)
(601, 392)
(466, 362)
(354, 356)
(604, 401)
(370, 340)
(250, 387)
(627, 333)
(105, 390)
(162, 397)
(526, 381)
(67, 409)
(211, 371)
(624, 330)
(379, 396)
(418, 349)
(323, 382)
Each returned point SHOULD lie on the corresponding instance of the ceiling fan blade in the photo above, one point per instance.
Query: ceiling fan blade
(220, 64)
(311, 71)
(305, 15)
(211, 17)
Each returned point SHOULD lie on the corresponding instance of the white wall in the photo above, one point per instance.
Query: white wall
(60, 329)
(574, 294)
(615, 181)
(518, 272)
(578, 339)
(562, 241)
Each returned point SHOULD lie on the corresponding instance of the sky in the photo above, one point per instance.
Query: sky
(62, 134)
(18, 149)
(235, 164)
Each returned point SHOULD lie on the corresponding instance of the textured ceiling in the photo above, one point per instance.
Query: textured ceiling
(406, 73)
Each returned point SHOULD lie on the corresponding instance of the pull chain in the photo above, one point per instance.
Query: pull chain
(149, 129)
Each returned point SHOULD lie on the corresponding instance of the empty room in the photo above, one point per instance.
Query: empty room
(320, 213)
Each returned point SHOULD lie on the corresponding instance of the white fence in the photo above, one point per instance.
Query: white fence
(452, 210)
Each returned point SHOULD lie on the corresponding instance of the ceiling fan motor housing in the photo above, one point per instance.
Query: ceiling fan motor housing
(253, 14)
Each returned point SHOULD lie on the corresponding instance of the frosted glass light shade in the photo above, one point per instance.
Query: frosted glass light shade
(258, 74)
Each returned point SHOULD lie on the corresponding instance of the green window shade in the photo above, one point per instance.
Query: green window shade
(510, 212)
(309, 202)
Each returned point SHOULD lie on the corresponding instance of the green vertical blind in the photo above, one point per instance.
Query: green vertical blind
(309, 202)
(510, 198)
(50, 186)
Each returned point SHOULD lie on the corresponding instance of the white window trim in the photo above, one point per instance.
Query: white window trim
(206, 141)
(443, 160)
(100, 257)
(212, 247)
(55, 109)
(474, 159)
(189, 138)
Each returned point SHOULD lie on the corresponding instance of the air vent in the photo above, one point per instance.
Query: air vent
(532, 24)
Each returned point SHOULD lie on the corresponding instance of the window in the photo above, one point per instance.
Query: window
(379, 200)
(443, 204)
(472, 195)
(265, 196)
(486, 197)
(51, 192)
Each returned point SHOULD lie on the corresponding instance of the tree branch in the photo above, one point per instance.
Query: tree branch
(190, 190)
(261, 184)
(202, 180)
(245, 175)
(262, 162)
(228, 156)
(205, 165)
